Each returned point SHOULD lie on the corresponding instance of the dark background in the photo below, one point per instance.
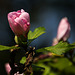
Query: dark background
(46, 13)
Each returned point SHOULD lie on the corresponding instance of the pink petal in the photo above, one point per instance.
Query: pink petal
(63, 29)
(8, 68)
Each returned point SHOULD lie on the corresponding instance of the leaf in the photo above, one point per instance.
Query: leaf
(7, 47)
(47, 68)
(60, 48)
(70, 70)
(36, 33)
(54, 73)
(37, 68)
(23, 60)
(61, 63)
(45, 60)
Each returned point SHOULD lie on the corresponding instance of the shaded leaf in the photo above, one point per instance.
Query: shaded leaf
(61, 63)
(47, 68)
(37, 68)
(45, 60)
(70, 70)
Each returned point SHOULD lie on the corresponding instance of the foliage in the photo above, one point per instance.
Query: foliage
(60, 48)
(23, 60)
(36, 33)
(54, 60)
(7, 47)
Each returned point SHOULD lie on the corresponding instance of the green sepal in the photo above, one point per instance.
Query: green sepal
(20, 40)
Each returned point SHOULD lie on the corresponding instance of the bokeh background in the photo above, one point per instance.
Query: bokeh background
(46, 13)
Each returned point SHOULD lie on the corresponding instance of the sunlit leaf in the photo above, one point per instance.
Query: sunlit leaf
(7, 47)
(36, 33)
(23, 60)
(60, 48)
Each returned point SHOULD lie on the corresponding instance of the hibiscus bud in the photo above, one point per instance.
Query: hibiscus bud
(8, 68)
(63, 30)
(19, 22)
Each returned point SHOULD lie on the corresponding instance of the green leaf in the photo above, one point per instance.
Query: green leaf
(23, 60)
(54, 73)
(7, 47)
(70, 70)
(45, 60)
(37, 68)
(60, 48)
(61, 63)
(36, 33)
(47, 68)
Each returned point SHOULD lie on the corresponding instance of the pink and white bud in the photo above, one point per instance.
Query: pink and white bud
(63, 32)
(19, 22)
(8, 68)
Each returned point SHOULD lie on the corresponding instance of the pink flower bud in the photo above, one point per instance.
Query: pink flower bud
(19, 22)
(8, 68)
(63, 30)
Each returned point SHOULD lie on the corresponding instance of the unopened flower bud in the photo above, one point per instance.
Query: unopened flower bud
(63, 30)
(19, 22)
(8, 68)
